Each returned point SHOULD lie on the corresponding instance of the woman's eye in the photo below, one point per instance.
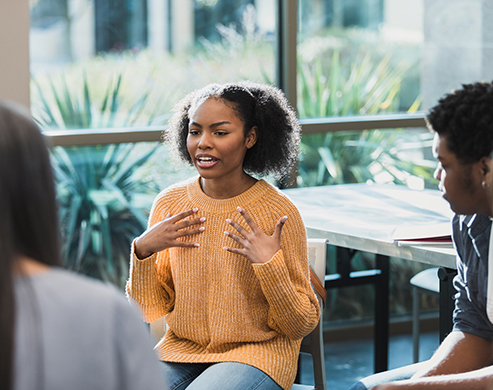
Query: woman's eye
(221, 133)
(192, 132)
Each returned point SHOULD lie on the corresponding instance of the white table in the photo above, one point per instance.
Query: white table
(369, 218)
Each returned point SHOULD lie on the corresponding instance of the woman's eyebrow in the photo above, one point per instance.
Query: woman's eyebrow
(194, 124)
(217, 124)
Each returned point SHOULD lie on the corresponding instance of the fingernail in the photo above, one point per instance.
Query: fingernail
(202, 219)
(196, 244)
(226, 233)
(195, 209)
(239, 209)
(228, 220)
(225, 248)
(202, 228)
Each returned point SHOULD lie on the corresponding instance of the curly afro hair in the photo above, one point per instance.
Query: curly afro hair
(264, 106)
(465, 118)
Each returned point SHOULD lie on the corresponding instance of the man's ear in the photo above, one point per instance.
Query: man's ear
(485, 164)
(251, 137)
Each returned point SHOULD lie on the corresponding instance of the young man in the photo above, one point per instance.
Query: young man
(463, 143)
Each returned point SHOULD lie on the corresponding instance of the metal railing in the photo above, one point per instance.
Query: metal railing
(81, 137)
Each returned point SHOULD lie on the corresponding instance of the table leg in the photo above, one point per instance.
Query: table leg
(379, 278)
(447, 304)
(381, 349)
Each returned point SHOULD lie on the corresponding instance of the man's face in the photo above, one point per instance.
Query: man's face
(460, 183)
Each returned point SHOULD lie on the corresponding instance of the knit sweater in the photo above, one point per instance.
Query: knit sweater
(219, 307)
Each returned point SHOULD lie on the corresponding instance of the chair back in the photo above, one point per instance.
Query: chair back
(313, 344)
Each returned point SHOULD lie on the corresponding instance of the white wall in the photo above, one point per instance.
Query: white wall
(14, 51)
(458, 46)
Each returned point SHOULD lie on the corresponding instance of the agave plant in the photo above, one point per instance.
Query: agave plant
(362, 156)
(327, 90)
(101, 195)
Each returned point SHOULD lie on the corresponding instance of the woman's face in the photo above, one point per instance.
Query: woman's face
(216, 140)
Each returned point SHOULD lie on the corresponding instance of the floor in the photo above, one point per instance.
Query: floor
(347, 362)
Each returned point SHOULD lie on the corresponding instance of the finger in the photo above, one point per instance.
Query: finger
(249, 220)
(190, 232)
(238, 227)
(238, 239)
(183, 244)
(279, 226)
(183, 214)
(189, 222)
(234, 250)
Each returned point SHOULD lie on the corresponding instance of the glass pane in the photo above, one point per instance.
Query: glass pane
(360, 57)
(105, 193)
(399, 156)
(125, 63)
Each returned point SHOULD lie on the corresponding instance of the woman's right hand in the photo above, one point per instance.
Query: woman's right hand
(166, 234)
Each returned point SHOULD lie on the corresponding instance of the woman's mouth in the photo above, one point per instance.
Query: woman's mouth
(207, 162)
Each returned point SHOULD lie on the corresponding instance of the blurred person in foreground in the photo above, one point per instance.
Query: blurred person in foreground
(463, 125)
(58, 330)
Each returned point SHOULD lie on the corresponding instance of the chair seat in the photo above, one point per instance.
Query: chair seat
(427, 280)
(302, 387)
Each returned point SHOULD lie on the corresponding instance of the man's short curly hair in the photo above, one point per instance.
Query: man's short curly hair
(465, 118)
(264, 106)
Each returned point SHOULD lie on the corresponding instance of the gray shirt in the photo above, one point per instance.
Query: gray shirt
(471, 236)
(73, 332)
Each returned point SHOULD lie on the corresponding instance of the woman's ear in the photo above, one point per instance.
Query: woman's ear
(251, 137)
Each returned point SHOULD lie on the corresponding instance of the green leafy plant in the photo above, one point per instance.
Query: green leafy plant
(101, 194)
(366, 88)
(325, 89)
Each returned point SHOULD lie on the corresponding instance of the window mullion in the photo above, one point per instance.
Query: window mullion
(286, 57)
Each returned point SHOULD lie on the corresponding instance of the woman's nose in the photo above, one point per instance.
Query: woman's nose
(205, 141)
(438, 173)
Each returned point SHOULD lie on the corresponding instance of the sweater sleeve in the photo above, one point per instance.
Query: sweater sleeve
(152, 291)
(293, 306)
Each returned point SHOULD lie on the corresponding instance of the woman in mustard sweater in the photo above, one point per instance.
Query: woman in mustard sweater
(224, 257)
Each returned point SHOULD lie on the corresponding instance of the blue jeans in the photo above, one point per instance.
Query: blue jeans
(397, 374)
(213, 376)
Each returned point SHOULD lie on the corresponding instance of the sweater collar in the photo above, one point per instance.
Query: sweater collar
(217, 206)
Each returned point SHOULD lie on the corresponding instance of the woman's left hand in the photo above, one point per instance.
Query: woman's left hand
(258, 247)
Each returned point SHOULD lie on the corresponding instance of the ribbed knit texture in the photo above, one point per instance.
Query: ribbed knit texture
(219, 306)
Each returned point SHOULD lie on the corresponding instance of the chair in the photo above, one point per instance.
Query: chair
(313, 344)
(424, 282)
